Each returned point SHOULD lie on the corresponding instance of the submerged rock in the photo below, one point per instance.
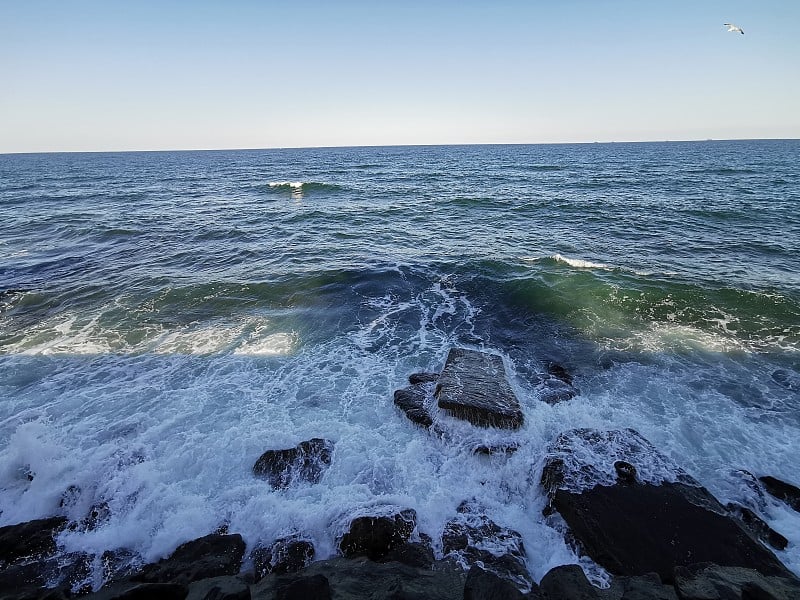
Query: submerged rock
(787, 492)
(375, 536)
(210, 556)
(305, 462)
(473, 386)
(661, 520)
(556, 385)
(473, 538)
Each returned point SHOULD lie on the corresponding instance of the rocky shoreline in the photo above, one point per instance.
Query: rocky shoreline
(620, 502)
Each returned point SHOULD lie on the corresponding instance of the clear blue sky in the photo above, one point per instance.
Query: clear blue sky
(113, 75)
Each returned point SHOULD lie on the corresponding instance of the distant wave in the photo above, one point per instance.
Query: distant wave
(303, 187)
(572, 262)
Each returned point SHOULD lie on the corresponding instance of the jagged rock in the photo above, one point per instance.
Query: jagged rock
(485, 585)
(29, 539)
(473, 538)
(473, 386)
(706, 581)
(219, 588)
(416, 378)
(757, 526)
(210, 556)
(118, 564)
(787, 492)
(363, 578)
(411, 400)
(305, 462)
(662, 520)
(286, 555)
(375, 536)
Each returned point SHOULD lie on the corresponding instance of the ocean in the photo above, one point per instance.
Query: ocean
(166, 317)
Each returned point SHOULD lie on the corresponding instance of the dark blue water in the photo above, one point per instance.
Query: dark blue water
(167, 316)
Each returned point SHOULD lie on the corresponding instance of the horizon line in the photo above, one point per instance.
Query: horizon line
(344, 146)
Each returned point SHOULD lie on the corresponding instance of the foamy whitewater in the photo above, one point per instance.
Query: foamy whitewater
(165, 318)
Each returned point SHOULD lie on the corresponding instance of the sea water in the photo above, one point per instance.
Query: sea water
(167, 317)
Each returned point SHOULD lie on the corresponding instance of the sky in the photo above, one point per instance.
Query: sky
(84, 75)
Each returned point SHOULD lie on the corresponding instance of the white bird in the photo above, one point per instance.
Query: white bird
(733, 28)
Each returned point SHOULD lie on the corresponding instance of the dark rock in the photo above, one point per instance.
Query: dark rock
(29, 539)
(705, 581)
(286, 555)
(485, 585)
(219, 588)
(141, 591)
(413, 554)
(556, 385)
(647, 526)
(787, 492)
(311, 587)
(416, 378)
(473, 386)
(305, 462)
(473, 538)
(375, 536)
(363, 578)
(626, 472)
(411, 400)
(210, 556)
(642, 587)
(34, 593)
(757, 526)
(568, 582)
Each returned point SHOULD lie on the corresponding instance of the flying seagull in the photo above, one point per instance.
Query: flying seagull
(733, 28)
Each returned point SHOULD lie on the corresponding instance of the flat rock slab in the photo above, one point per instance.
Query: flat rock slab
(653, 518)
(473, 386)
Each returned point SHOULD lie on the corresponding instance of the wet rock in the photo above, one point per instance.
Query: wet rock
(568, 582)
(473, 538)
(413, 554)
(210, 556)
(363, 578)
(411, 400)
(219, 588)
(663, 520)
(706, 581)
(29, 539)
(416, 378)
(306, 462)
(485, 585)
(757, 526)
(787, 492)
(311, 587)
(626, 472)
(643, 587)
(286, 555)
(473, 386)
(118, 564)
(375, 536)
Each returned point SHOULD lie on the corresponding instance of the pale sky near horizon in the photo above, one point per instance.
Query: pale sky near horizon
(147, 75)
